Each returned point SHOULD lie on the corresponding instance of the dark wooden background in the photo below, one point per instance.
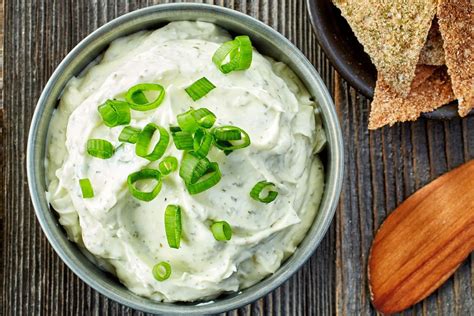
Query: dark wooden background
(382, 169)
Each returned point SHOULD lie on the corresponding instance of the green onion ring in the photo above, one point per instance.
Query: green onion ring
(221, 231)
(257, 190)
(210, 178)
(193, 167)
(192, 120)
(202, 142)
(240, 50)
(100, 148)
(199, 88)
(129, 134)
(221, 54)
(225, 144)
(161, 271)
(86, 188)
(137, 100)
(175, 129)
(227, 133)
(139, 97)
(187, 122)
(144, 140)
(143, 175)
(114, 113)
(224, 134)
(183, 140)
(245, 52)
(167, 165)
(173, 225)
(204, 117)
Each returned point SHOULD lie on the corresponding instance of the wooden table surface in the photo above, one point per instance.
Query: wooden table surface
(382, 169)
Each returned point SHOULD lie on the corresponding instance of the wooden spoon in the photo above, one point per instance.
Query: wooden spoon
(423, 241)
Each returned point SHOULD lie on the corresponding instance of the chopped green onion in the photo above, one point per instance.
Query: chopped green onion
(199, 174)
(240, 51)
(193, 167)
(204, 117)
(199, 88)
(259, 187)
(138, 101)
(114, 113)
(86, 188)
(245, 52)
(183, 140)
(175, 129)
(129, 134)
(202, 142)
(100, 148)
(173, 225)
(225, 144)
(227, 133)
(230, 47)
(224, 135)
(187, 122)
(144, 174)
(144, 140)
(168, 165)
(139, 97)
(161, 271)
(209, 179)
(191, 120)
(221, 231)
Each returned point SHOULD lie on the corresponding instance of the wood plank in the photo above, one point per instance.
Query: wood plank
(382, 168)
(2, 148)
(401, 159)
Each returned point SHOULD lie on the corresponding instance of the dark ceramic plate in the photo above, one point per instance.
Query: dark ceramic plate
(347, 54)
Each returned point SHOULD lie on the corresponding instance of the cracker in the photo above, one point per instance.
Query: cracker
(392, 33)
(433, 52)
(422, 73)
(456, 24)
(388, 108)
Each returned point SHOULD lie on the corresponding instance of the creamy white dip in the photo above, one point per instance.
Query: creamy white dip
(127, 236)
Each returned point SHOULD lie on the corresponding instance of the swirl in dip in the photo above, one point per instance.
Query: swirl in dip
(127, 236)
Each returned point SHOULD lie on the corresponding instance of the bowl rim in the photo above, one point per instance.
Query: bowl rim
(263, 287)
(341, 66)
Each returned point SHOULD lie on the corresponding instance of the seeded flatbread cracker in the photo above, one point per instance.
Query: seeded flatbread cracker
(388, 108)
(422, 73)
(392, 33)
(456, 24)
(433, 52)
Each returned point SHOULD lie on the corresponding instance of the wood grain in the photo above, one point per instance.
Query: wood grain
(423, 241)
(2, 160)
(382, 168)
